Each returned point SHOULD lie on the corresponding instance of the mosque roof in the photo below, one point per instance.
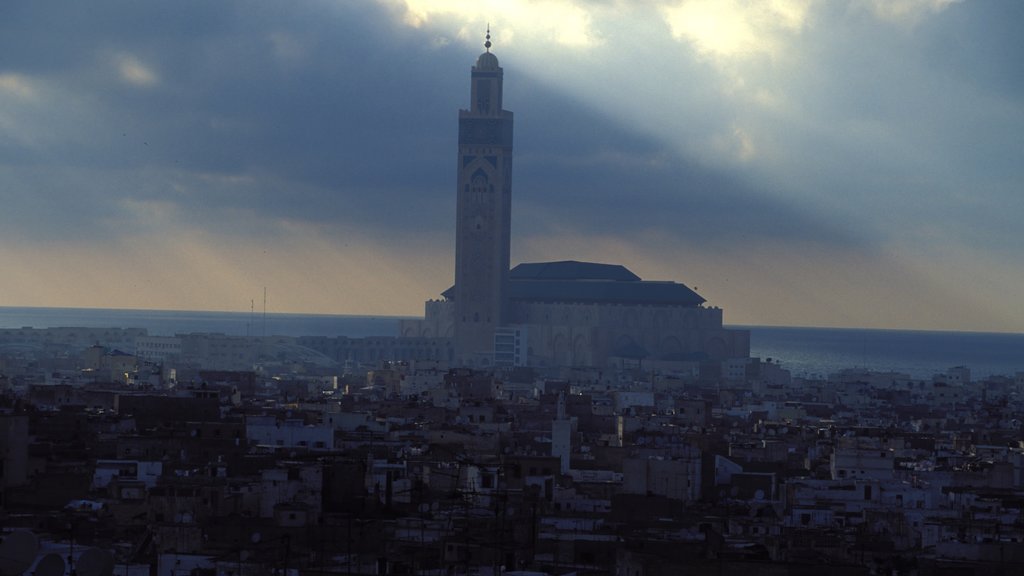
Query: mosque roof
(572, 270)
(572, 281)
(604, 291)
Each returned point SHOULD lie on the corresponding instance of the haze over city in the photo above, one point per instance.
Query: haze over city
(848, 163)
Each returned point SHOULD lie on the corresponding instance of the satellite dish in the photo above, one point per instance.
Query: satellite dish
(95, 562)
(51, 565)
(17, 552)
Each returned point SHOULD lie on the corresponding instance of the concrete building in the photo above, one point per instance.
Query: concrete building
(678, 479)
(511, 344)
(576, 313)
(144, 472)
(290, 433)
(158, 348)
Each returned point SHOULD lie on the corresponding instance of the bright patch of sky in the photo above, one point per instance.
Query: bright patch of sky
(839, 108)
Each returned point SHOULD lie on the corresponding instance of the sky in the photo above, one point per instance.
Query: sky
(847, 163)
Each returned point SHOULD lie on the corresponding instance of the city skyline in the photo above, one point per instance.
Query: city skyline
(797, 163)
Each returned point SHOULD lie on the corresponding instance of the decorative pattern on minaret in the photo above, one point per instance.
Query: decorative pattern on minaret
(483, 213)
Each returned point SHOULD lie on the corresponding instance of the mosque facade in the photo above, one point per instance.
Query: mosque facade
(566, 313)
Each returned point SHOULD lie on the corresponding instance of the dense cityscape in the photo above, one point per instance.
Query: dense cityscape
(334, 456)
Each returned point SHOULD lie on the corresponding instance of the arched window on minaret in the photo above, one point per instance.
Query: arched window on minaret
(479, 186)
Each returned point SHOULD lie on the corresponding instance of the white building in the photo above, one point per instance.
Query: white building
(158, 349)
(107, 471)
(269, 431)
(511, 346)
(862, 458)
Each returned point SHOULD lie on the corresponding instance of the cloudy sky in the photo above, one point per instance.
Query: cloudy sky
(799, 162)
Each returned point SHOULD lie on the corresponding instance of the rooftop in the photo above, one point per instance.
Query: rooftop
(573, 281)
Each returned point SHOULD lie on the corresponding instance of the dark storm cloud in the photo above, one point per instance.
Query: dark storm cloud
(342, 127)
(330, 115)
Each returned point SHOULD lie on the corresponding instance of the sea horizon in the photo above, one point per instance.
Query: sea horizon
(808, 351)
(4, 310)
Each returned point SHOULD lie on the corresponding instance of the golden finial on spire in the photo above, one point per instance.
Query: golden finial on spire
(487, 44)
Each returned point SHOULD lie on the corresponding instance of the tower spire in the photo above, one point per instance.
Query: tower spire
(483, 217)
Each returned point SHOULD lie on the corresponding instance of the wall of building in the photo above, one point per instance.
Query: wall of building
(589, 334)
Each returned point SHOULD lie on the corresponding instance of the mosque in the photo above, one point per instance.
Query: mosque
(565, 313)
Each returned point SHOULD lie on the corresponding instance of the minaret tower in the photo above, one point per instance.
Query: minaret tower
(483, 213)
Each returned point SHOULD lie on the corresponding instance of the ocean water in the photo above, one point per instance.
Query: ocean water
(803, 351)
(821, 351)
